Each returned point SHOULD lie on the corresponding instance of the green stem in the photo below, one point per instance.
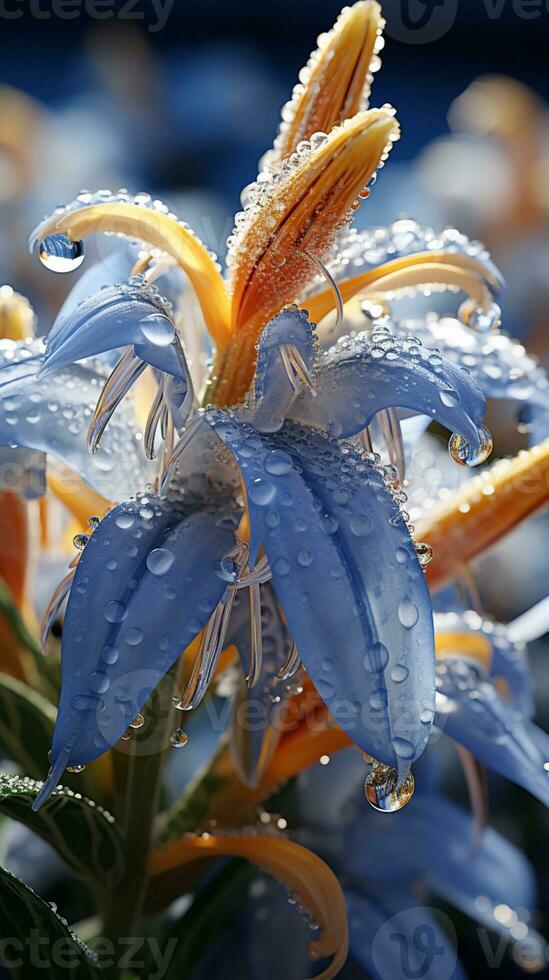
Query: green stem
(142, 797)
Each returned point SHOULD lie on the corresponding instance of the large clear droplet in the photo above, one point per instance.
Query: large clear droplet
(478, 319)
(59, 254)
(465, 454)
(382, 790)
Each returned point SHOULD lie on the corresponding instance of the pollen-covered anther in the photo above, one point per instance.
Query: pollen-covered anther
(335, 82)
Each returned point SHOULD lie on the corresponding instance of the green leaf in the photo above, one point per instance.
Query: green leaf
(33, 935)
(26, 726)
(82, 833)
(9, 608)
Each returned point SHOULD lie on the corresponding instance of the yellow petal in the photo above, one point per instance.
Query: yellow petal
(484, 509)
(299, 213)
(163, 232)
(78, 498)
(335, 83)
(17, 317)
(430, 268)
(472, 645)
(301, 871)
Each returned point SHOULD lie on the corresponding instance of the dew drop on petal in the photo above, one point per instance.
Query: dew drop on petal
(99, 682)
(134, 636)
(261, 492)
(408, 613)
(157, 329)
(115, 612)
(377, 658)
(360, 526)
(278, 463)
(399, 673)
(138, 721)
(159, 561)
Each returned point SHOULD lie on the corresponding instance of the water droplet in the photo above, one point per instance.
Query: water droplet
(109, 655)
(278, 463)
(59, 254)
(377, 658)
(94, 522)
(99, 682)
(115, 612)
(360, 526)
(179, 739)
(72, 769)
(399, 673)
(465, 454)
(408, 613)
(80, 541)
(261, 492)
(124, 520)
(449, 397)
(304, 557)
(382, 790)
(424, 553)
(138, 721)
(403, 747)
(157, 329)
(134, 637)
(427, 716)
(159, 561)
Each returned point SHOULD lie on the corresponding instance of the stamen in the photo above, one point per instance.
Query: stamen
(291, 666)
(53, 607)
(153, 421)
(188, 434)
(125, 374)
(392, 433)
(256, 636)
(324, 271)
(296, 368)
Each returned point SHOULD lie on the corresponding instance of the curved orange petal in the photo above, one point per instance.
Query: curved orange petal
(298, 213)
(484, 509)
(163, 232)
(472, 645)
(301, 871)
(17, 317)
(79, 499)
(335, 83)
(430, 268)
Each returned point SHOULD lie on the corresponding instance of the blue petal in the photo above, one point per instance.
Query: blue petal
(273, 394)
(116, 316)
(363, 375)
(52, 415)
(470, 710)
(508, 661)
(114, 268)
(434, 839)
(257, 724)
(391, 936)
(498, 363)
(348, 580)
(146, 584)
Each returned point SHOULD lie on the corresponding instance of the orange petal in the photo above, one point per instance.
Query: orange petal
(301, 871)
(430, 268)
(484, 509)
(472, 645)
(163, 232)
(335, 83)
(299, 210)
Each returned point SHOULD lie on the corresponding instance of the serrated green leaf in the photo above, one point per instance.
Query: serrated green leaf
(83, 833)
(26, 726)
(35, 941)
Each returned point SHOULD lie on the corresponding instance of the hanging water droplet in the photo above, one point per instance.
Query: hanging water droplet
(138, 721)
(465, 454)
(382, 791)
(424, 553)
(59, 254)
(127, 735)
(94, 522)
(179, 739)
(478, 319)
(80, 541)
(75, 769)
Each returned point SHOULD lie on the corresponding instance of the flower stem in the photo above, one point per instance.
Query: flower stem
(142, 798)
